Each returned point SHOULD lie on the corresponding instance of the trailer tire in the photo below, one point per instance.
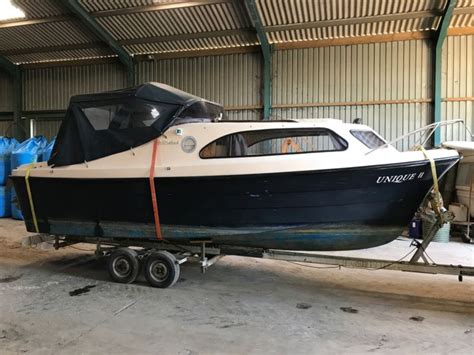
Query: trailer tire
(123, 265)
(161, 269)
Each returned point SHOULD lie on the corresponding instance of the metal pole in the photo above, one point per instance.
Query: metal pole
(18, 127)
(92, 24)
(267, 57)
(438, 41)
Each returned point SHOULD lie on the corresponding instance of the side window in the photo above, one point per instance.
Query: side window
(100, 117)
(201, 110)
(129, 115)
(368, 138)
(274, 142)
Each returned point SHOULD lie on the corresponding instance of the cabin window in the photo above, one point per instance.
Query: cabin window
(274, 142)
(368, 138)
(127, 115)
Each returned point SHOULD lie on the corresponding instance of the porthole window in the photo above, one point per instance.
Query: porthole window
(188, 144)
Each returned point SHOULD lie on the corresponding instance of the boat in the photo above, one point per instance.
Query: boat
(153, 163)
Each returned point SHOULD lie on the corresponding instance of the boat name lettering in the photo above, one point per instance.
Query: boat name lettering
(398, 179)
(168, 142)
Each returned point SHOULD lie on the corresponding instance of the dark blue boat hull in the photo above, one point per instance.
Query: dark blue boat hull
(339, 209)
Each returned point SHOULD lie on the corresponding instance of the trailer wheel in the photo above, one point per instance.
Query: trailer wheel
(123, 265)
(161, 269)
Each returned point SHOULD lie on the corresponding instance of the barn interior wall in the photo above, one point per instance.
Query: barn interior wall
(6, 126)
(6, 104)
(458, 85)
(6, 90)
(46, 89)
(232, 80)
(49, 89)
(388, 85)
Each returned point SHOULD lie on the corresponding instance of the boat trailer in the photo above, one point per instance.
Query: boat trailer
(161, 261)
(413, 265)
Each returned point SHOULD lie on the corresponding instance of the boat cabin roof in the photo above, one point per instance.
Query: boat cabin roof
(150, 91)
(102, 124)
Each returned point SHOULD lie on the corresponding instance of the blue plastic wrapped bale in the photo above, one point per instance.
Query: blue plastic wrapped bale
(48, 150)
(6, 146)
(5, 201)
(15, 206)
(29, 151)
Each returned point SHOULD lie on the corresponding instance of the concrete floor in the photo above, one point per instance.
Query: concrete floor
(242, 305)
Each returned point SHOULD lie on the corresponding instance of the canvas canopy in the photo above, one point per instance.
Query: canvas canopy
(98, 125)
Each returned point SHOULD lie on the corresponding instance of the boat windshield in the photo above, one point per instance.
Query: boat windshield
(368, 138)
(127, 115)
(202, 110)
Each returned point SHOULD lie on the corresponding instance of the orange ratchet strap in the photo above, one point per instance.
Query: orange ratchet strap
(153, 191)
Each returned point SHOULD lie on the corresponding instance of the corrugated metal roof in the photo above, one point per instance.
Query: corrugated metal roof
(464, 20)
(41, 8)
(44, 34)
(366, 29)
(216, 17)
(465, 3)
(276, 13)
(145, 26)
(102, 5)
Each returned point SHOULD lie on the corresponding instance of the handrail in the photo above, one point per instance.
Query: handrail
(432, 127)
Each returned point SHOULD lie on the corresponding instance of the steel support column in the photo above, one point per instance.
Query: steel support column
(15, 72)
(104, 36)
(438, 41)
(266, 54)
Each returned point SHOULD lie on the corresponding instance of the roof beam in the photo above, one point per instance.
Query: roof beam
(257, 23)
(35, 21)
(347, 41)
(438, 40)
(147, 40)
(187, 36)
(352, 21)
(50, 49)
(460, 31)
(392, 37)
(159, 7)
(463, 10)
(199, 53)
(105, 36)
(365, 19)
